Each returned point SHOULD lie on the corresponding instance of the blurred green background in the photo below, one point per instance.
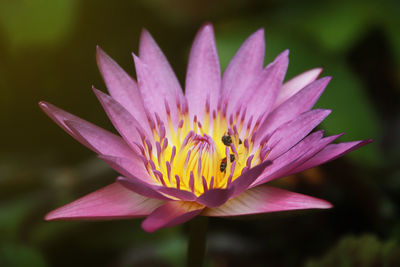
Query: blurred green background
(47, 52)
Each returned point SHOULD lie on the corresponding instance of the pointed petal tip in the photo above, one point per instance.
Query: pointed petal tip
(145, 40)
(362, 143)
(101, 96)
(144, 33)
(136, 58)
(326, 205)
(323, 112)
(320, 70)
(367, 141)
(260, 31)
(258, 34)
(148, 227)
(57, 214)
(338, 135)
(326, 79)
(282, 58)
(95, 90)
(100, 54)
(285, 53)
(207, 24)
(50, 216)
(43, 104)
(206, 28)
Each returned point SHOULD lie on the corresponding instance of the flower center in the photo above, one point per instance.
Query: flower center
(195, 157)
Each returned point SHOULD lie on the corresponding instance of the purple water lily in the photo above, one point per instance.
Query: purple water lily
(208, 151)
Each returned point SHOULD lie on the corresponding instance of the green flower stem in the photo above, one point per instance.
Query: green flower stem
(197, 241)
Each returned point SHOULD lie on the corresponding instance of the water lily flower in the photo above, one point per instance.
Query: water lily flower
(207, 151)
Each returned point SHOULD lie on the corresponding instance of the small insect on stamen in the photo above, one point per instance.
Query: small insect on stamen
(222, 166)
(227, 140)
(240, 141)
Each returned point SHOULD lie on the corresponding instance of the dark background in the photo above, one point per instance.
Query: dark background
(47, 52)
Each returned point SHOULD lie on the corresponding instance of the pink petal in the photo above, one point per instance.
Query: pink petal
(111, 202)
(259, 101)
(141, 188)
(243, 69)
(247, 178)
(331, 152)
(214, 197)
(87, 133)
(295, 156)
(263, 199)
(203, 78)
(313, 151)
(291, 87)
(102, 142)
(177, 193)
(137, 178)
(123, 121)
(152, 56)
(301, 102)
(292, 132)
(129, 168)
(152, 89)
(170, 214)
(122, 87)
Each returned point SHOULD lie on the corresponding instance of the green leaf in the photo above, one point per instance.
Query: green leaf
(41, 22)
(12, 255)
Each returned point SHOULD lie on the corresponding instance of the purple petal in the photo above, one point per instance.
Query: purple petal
(331, 152)
(111, 202)
(259, 101)
(214, 197)
(313, 151)
(292, 132)
(87, 133)
(122, 120)
(141, 188)
(245, 66)
(301, 102)
(137, 179)
(122, 87)
(178, 193)
(132, 167)
(152, 56)
(263, 199)
(291, 87)
(102, 142)
(203, 78)
(247, 178)
(170, 214)
(287, 161)
(153, 92)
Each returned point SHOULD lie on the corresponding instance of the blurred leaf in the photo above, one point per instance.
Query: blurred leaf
(352, 113)
(40, 22)
(365, 251)
(391, 21)
(12, 214)
(20, 256)
(173, 250)
(51, 231)
(337, 26)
